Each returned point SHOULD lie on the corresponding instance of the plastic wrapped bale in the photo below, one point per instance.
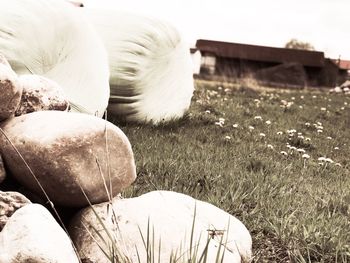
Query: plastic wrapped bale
(151, 77)
(53, 38)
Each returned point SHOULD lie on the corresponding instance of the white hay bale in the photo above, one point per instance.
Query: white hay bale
(52, 38)
(150, 66)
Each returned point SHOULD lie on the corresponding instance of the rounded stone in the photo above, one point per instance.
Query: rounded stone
(10, 90)
(40, 93)
(170, 221)
(70, 154)
(9, 203)
(33, 235)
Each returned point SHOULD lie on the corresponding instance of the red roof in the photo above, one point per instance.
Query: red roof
(261, 53)
(342, 64)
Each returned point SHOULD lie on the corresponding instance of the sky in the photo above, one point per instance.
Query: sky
(325, 24)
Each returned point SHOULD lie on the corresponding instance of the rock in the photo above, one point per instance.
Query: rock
(9, 203)
(40, 93)
(10, 90)
(170, 217)
(287, 74)
(33, 235)
(68, 152)
(2, 170)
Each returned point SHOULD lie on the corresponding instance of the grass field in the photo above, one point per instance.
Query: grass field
(275, 159)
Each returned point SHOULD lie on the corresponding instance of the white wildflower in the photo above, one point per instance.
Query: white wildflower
(329, 160)
(284, 153)
(300, 150)
(221, 120)
(228, 137)
(235, 125)
(251, 128)
(305, 156)
(270, 146)
(207, 111)
(257, 118)
(262, 134)
(268, 122)
(219, 124)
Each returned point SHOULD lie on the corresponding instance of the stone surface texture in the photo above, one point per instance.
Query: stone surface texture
(32, 235)
(168, 216)
(40, 93)
(2, 170)
(9, 203)
(68, 153)
(10, 90)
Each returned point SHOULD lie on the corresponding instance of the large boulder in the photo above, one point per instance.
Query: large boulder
(9, 203)
(40, 93)
(68, 153)
(10, 90)
(33, 235)
(165, 221)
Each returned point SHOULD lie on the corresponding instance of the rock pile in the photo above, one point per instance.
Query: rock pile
(82, 161)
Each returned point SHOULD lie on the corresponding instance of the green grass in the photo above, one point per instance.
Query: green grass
(297, 209)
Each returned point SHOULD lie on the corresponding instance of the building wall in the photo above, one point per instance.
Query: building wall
(208, 64)
(211, 66)
(330, 75)
(236, 68)
(196, 61)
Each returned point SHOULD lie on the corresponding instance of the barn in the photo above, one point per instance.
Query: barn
(269, 65)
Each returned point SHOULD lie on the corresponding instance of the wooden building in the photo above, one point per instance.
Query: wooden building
(344, 67)
(233, 60)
